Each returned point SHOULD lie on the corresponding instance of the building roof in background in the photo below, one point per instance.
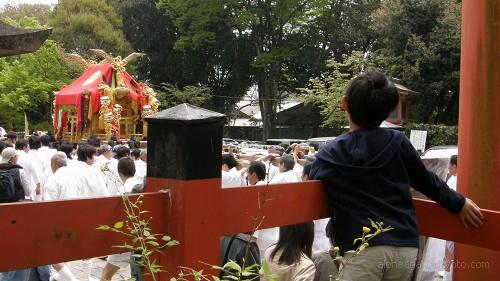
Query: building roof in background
(16, 41)
(404, 90)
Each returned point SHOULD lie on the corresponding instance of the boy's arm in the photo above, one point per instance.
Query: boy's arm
(429, 183)
(435, 188)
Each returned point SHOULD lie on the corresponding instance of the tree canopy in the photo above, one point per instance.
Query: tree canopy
(80, 25)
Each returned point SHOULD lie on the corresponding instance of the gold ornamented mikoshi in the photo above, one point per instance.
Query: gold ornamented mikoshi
(146, 111)
(105, 116)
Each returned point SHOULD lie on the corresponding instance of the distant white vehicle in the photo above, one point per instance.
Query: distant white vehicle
(442, 151)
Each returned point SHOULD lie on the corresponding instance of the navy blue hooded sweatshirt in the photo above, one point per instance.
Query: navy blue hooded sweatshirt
(368, 174)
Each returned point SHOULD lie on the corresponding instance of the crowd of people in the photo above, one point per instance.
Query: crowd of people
(39, 168)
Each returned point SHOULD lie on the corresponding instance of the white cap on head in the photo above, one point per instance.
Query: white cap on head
(7, 154)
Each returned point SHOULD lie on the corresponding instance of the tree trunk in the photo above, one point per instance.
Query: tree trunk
(267, 101)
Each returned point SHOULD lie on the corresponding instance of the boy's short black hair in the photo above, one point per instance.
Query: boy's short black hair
(454, 160)
(258, 168)
(371, 97)
(85, 152)
(229, 160)
(126, 167)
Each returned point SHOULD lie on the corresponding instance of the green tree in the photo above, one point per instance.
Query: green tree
(19, 12)
(151, 32)
(418, 41)
(263, 26)
(326, 92)
(80, 25)
(28, 82)
(169, 95)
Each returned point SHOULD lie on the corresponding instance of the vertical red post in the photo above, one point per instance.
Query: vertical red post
(479, 127)
(184, 156)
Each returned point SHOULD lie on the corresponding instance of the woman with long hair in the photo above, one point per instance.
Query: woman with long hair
(290, 258)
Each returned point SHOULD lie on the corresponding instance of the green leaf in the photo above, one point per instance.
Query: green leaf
(172, 243)
(103, 227)
(118, 225)
(232, 265)
(153, 243)
(265, 267)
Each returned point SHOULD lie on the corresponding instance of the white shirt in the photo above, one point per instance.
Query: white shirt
(452, 182)
(61, 185)
(90, 182)
(108, 170)
(36, 159)
(298, 170)
(285, 177)
(231, 178)
(31, 173)
(140, 170)
(45, 153)
(271, 170)
(128, 185)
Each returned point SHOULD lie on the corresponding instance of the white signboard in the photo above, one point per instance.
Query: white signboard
(418, 139)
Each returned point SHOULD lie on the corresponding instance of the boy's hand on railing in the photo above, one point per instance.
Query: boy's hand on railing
(471, 214)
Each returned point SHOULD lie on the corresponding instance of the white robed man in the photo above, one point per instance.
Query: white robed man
(30, 170)
(126, 171)
(61, 185)
(230, 177)
(268, 237)
(450, 245)
(89, 180)
(46, 153)
(141, 165)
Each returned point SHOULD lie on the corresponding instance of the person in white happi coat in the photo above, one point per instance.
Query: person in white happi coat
(256, 173)
(35, 143)
(126, 171)
(268, 237)
(61, 185)
(88, 178)
(450, 245)
(231, 177)
(108, 168)
(46, 153)
(286, 174)
(30, 170)
(141, 165)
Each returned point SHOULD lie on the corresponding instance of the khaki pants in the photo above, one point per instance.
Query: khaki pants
(387, 263)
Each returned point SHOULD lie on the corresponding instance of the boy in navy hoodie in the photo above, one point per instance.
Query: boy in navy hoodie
(367, 174)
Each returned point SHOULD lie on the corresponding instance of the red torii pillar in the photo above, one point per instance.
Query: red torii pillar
(479, 127)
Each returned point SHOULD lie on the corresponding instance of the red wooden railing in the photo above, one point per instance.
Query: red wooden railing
(50, 232)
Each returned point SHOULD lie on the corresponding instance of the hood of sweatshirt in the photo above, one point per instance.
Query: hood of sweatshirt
(363, 151)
